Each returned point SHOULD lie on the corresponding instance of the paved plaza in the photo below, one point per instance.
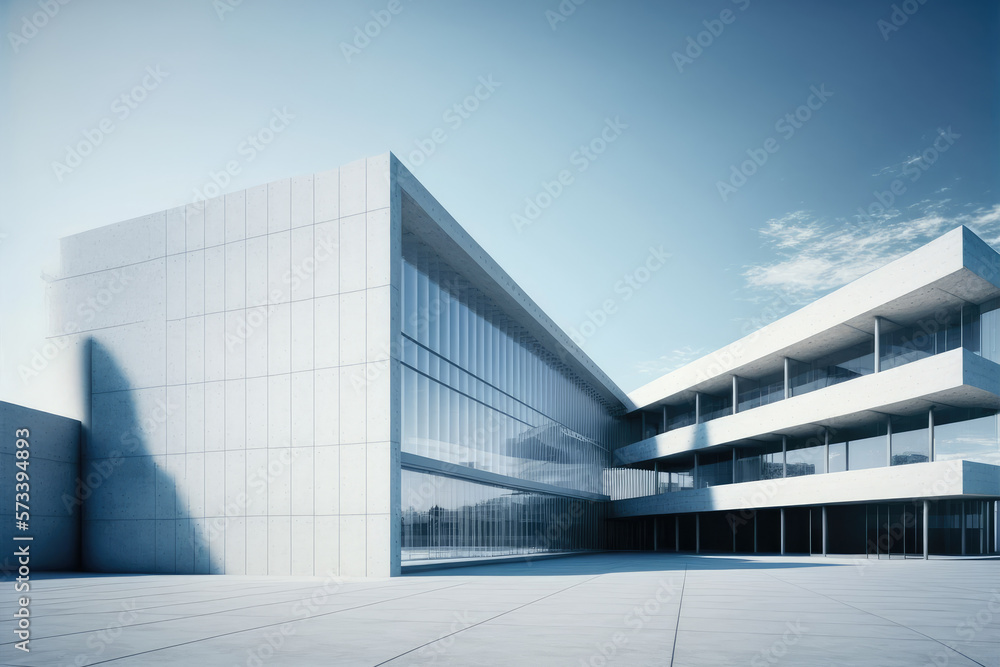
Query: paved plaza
(599, 609)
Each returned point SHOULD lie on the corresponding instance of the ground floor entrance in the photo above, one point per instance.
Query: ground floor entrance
(904, 529)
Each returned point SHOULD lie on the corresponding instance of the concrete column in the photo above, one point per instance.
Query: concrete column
(656, 536)
(755, 531)
(888, 441)
(878, 343)
(788, 377)
(782, 531)
(656, 478)
(784, 456)
(677, 532)
(927, 529)
(734, 465)
(825, 537)
(826, 450)
(930, 432)
(697, 482)
(664, 417)
(736, 394)
(697, 407)
(697, 533)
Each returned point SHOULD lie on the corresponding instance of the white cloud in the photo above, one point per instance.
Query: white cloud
(814, 257)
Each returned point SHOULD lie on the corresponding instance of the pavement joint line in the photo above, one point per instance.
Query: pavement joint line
(174, 604)
(847, 604)
(44, 603)
(450, 634)
(677, 625)
(210, 613)
(259, 627)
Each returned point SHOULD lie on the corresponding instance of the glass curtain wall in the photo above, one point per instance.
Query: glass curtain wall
(479, 391)
(444, 517)
(834, 368)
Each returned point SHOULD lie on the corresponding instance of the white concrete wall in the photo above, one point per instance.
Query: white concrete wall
(937, 479)
(242, 372)
(52, 467)
(957, 377)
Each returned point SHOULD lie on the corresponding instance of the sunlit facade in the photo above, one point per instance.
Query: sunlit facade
(327, 374)
(847, 427)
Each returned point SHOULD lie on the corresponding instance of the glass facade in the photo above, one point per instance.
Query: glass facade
(479, 391)
(974, 438)
(989, 330)
(911, 441)
(762, 461)
(840, 366)
(805, 456)
(762, 391)
(452, 518)
(931, 335)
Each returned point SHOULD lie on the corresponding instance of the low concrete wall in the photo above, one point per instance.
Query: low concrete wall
(53, 467)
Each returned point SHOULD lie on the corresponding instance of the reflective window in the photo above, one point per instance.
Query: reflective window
(715, 468)
(867, 453)
(680, 415)
(974, 439)
(932, 334)
(450, 518)
(713, 407)
(806, 456)
(760, 461)
(910, 440)
(838, 457)
(834, 368)
(761, 391)
(989, 330)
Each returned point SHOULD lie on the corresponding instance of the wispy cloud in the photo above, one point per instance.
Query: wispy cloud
(670, 361)
(814, 256)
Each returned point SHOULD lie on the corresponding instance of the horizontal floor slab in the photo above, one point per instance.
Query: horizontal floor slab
(938, 479)
(955, 378)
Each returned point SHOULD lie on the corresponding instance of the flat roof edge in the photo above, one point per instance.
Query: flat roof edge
(545, 329)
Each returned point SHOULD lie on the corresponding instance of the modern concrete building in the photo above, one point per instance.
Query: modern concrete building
(863, 423)
(327, 374)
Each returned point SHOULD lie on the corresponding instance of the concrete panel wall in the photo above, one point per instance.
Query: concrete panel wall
(244, 392)
(53, 468)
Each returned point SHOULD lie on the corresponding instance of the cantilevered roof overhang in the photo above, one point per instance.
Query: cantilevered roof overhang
(955, 269)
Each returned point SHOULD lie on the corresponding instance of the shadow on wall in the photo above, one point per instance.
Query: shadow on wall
(142, 493)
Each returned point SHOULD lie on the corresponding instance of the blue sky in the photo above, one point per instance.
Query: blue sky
(685, 93)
